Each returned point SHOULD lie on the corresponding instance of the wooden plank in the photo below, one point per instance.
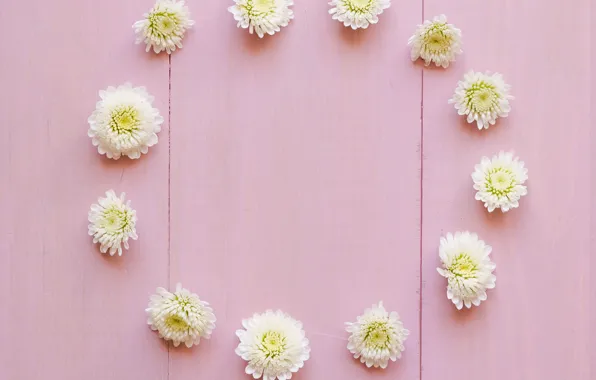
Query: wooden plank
(591, 278)
(295, 181)
(68, 312)
(535, 324)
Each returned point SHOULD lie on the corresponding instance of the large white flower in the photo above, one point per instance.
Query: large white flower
(358, 13)
(262, 16)
(112, 222)
(436, 41)
(500, 181)
(181, 317)
(163, 27)
(124, 122)
(483, 97)
(377, 336)
(467, 267)
(274, 345)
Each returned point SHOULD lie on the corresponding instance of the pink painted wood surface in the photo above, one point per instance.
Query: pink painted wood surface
(295, 182)
(534, 324)
(67, 311)
(291, 179)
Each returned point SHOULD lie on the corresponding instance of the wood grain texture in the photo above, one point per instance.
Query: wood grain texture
(534, 324)
(291, 180)
(67, 311)
(295, 182)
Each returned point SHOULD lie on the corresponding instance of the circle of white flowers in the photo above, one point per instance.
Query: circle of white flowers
(274, 345)
(377, 337)
(467, 268)
(124, 122)
(262, 16)
(482, 97)
(181, 316)
(112, 223)
(163, 27)
(436, 41)
(358, 13)
(500, 181)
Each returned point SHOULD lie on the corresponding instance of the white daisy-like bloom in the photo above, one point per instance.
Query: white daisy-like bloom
(377, 336)
(358, 13)
(500, 181)
(262, 16)
(467, 267)
(124, 122)
(483, 97)
(181, 317)
(436, 41)
(163, 27)
(274, 345)
(112, 223)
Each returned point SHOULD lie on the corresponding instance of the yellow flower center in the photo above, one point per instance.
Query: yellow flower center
(263, 6)
(162, 24)
(166, 25)
(124, 120)
(358, 6)
(481, 97)
(463, 266)
(436, 40)
(377, 335)
(115, 220)
(500, 182)
(273, 344)
(176, 323)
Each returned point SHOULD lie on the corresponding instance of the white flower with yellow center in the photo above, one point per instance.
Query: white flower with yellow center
(436, 41)
(377, 337)
(500, 181)
(483, 97)
(163, 27)
(467, 267)
(274, 345)
(262, 16)
(124, 122)
(181, 317)
(112, 223)
(358, 13)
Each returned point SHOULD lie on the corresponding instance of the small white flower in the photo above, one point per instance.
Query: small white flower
(436, 41)
(274, 345)
(262, 16)
(358, 13)
(483, 97)
(377, 337)
(124, 122)
(467, 267)
(112, 223)
(164, 26)
(181, 317)
(500, 181)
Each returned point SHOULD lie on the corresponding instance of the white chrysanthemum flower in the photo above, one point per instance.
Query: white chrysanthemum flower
(112, 223)
(467, 267)
(124, 122)
(483, 97)
(500, 181)
(358, 13)
(262, 16)
(274, 345)
(181, 317)
(164, 26)
(436, 41)
(377, 337)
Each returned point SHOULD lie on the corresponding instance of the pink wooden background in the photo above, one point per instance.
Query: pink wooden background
(313, 171)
